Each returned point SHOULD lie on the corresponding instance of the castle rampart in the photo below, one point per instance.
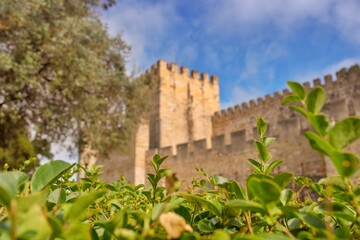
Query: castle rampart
(234, 128)
(187, 125)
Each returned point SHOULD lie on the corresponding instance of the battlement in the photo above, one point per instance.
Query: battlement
(187, 125)
(245, 107)
(344, 76)
(164, 68)
(239, 143)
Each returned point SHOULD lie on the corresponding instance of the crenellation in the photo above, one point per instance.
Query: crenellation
(214, 79)
(244, 106)
(238, 140)
(194, 74)
(218, 143)
(231, 111)
(204, 77)
(269, 99)
(278, 96)
(341, 76)
(260, 101)
(166, 151)
(217, 114)
(252, 103)
(316, 82)
(189, 127)
(286, 92)
(173, 68)
(182, 151)
(307, 86)
(328, 81)
(224, 112)
(199, 145)
(184, 71)
(354, 73)
(163, 68)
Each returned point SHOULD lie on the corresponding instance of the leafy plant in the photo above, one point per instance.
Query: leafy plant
(51, 205)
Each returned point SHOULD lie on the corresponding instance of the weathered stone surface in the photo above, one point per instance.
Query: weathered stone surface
(187, 125)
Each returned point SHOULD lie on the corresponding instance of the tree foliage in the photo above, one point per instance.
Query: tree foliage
(62, 75)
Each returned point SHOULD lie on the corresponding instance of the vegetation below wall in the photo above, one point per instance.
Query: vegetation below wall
(50, 205)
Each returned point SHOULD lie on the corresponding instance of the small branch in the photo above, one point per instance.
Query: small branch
(101, 211)
(13, 219)
(285, 230)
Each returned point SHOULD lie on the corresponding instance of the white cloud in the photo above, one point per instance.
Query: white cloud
(239, 95)
(258, 61)
(346, 15)
(242, 15)
(330, 69)
(251, 18)
(143, 25)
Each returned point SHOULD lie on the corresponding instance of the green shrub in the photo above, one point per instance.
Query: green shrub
(51, 205)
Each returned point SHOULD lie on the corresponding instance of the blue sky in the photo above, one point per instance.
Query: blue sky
(254, 46)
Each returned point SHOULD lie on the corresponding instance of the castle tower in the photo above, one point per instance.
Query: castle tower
(183, 104)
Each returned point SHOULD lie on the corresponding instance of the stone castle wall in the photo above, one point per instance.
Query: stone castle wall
(234, 129)
(186, 125)
(182, 105)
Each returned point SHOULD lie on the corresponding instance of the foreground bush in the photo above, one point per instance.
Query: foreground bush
(50, 205)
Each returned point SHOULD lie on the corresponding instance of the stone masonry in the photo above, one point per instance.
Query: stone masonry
(187, 125)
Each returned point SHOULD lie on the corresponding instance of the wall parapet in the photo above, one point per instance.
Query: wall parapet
(172, 68)
(238, 143)
(342, 77)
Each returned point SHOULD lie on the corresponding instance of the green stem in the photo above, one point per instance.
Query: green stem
(13, 219)
(285, 230)
(354, 198)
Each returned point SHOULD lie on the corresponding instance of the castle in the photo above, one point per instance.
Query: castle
(187, 125)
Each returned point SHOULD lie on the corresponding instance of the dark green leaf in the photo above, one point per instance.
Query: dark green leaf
(161, 173)
(290, 99)
(234, 188)
(76, 209)
(246, 205)
(151, 178)
(297, 89)
(157, 161)
(265, 189)
(345, 132)
(209, 205)
(319, 143)
(48, 173)
(320, 122)
(312, 220)
(299, 110)
(267, 141)
(334, 181)
(58, 196)
(315, 100)
(205, 226)
(283, 179)
(255, 165)
(272, 166)
(184, 212)
(264, 154)
(261, 127)
(285, 196)
(9, 185)
(220, 234)
(220, 179)
(157, 210)
(347, 164)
